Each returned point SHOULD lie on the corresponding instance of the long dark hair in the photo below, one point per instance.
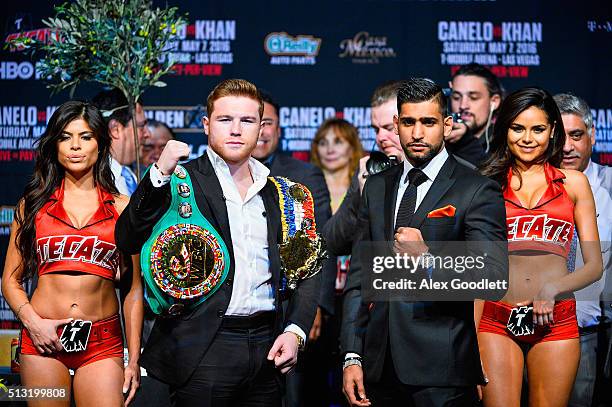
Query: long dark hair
(501, 159)
(48, 174)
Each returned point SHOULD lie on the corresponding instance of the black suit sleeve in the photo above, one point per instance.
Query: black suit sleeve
(485, 223)
(342, 228)
(147, 205)
(354, 313)
(303, 303)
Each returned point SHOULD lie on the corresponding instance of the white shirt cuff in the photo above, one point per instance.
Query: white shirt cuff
(351, 355)
(296, 330)
(157, 179)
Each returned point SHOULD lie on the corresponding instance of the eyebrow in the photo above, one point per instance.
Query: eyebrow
(227, 116)
(429, 118)
(471, 92)
(535, 125)
(80, 134)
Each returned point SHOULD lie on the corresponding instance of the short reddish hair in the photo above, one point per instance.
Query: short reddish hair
(234, 87)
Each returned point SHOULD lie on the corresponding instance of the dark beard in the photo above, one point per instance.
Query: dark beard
(478, 129)
(420, 161)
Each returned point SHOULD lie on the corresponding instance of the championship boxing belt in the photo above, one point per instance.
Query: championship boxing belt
(301, 250)
(185, 260)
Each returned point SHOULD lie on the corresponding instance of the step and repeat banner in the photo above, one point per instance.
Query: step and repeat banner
(321, 59)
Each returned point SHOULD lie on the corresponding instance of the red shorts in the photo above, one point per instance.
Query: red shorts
(495, 316)
(105, 341)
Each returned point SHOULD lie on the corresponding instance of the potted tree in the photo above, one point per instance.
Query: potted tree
(117, 43)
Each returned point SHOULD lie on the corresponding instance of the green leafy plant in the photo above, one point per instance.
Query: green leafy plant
(118, 43)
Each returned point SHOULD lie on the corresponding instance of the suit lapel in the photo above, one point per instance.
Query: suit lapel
(213, 195)
(392, 182)
(441, 184)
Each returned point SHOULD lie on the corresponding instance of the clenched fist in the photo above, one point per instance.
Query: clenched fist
(409, 241)
(173, 152)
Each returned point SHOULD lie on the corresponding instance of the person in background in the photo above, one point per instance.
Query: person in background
(476, 95)
(152, 147)
(577, 150)
(342, 228)
(116, 113)
(64, 232)
(336, 150)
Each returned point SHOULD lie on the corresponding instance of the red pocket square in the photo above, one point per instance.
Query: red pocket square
(444, 212)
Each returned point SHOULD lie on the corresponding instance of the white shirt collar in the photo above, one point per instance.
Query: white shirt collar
(432, 168)
(115, 166)
(259, 172)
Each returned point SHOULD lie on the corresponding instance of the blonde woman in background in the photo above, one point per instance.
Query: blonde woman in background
(336, 149)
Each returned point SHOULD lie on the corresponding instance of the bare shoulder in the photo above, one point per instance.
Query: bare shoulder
(577, 184)
(121, 202)
(575, 178)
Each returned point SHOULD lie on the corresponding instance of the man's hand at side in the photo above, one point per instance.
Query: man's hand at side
(352, 386)
(284, 351)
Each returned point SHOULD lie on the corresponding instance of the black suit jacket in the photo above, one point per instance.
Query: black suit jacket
(431, 343)
(312, 177)
(342, 228)
(176, 345)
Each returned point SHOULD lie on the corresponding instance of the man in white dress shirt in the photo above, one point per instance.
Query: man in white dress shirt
(114, 107)
(579, 141)
(231, 349)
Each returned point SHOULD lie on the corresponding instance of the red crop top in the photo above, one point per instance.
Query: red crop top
(62, 247)
(548, 226)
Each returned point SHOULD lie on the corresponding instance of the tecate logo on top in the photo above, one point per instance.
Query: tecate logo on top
(285, 49)
(364, 48)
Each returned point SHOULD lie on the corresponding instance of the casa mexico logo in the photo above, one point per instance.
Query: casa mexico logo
(364, 48)
(285, 49)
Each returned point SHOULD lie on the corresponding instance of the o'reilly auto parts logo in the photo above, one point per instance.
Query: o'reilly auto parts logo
(285, 49)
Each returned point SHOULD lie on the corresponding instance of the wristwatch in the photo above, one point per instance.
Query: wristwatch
(299, 339)
(351, 361)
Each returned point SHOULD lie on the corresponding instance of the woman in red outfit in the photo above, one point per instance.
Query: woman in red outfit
(64, 232)
(543, 205)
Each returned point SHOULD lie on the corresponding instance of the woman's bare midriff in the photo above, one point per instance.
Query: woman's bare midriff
(529, 272)
(75, 295)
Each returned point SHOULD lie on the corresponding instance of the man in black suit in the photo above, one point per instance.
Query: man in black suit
(230, 349)
(420, 353)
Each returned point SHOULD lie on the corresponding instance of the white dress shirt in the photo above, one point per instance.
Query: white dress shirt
(431, 170)
(587, 299)
(252, 288)
(116, 169)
